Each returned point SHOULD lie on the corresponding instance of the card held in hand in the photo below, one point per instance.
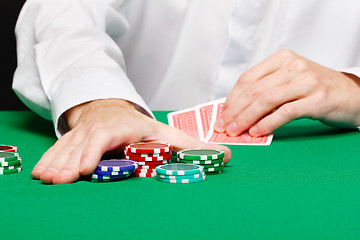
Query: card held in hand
(199, 121)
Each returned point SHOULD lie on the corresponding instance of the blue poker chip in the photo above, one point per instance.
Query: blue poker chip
(117, 165)
(113, 173)
(108, 178)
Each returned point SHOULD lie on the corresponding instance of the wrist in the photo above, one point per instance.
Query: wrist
(74, 114)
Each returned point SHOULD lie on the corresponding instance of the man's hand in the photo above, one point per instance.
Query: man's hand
(101, 126)
(287, 86)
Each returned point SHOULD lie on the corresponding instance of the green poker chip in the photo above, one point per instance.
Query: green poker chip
(10, 171)
(200, 154)
(8, 156)
(10, 163)
(206, 170)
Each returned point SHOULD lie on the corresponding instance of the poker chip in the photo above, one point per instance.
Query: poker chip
(10, 171)
(202, 162)
(213, 165)
(8, 148)
(107, 178)
(201, 154)
(8, 156)
(113, 173)
(216, 169)
(153, 163)
(178, 169)
(10, 167)
(10, 163)
(113, 170)
(145, 174)
(116, 165)
(188, 180)
(130, 154)
(148, 155)
(149, 159)
(147, 167)
(153, 170)
(149, 147)
(211, 159)
(182, 177)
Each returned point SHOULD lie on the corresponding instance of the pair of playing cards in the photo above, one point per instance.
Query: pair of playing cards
(198, 122)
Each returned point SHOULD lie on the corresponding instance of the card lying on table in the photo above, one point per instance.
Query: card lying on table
(198, 122)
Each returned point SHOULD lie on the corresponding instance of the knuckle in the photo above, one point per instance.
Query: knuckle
(245, 77)
(252, 91)
(285, 53)
(268, 98)
(299, 65)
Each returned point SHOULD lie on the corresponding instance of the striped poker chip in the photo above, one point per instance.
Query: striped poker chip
(145, 174)
(10, 167)
(130, 154)
(10, 171)
(201, 162)
(117, 165)
(151, 170)
(149, 147)
(200, 154)
(213, 165)
(10, 163)
(189, 180)
(214, 169)
(153, 163)
(7, 148)
(147, 167)
(95, 176)
(8, 156)
(149, 159)
(182, 177)
(178, 169)
(113, 173)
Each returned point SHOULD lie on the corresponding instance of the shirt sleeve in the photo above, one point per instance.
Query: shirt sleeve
(67, 55)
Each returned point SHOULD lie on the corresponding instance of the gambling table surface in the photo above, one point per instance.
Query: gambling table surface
(305, 185)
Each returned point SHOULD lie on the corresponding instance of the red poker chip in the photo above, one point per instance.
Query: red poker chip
(130, 154)
(147, 167)
(153, 163)
(8, 148)
(144, 174)
(148, 159)
(151, 170)
(149, 147)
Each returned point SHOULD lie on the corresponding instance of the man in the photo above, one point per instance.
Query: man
(96, 68)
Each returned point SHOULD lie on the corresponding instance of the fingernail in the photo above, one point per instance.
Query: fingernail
(232, 129)
(65, 173)
(254, 131)
(219, 125)
(38, 169)
(84, 164)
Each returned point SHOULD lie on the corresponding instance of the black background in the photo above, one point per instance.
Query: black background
(9, 11)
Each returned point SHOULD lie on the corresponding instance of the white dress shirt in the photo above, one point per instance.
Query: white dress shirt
(168, 55)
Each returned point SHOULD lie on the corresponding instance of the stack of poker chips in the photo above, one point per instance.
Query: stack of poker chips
(180, 173)
(149, 155)
(10, 161)
(113, 170)
(211, 159)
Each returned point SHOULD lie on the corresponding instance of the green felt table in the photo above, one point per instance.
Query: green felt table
(305, 185)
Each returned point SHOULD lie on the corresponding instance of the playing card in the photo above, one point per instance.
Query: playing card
(186, 120)
(198, 122)
(223, 138)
